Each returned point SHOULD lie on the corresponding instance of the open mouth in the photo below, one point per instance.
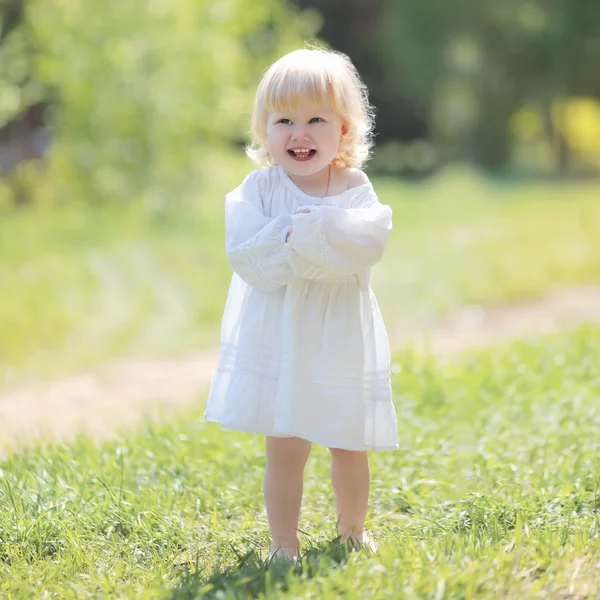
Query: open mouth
(302, 153)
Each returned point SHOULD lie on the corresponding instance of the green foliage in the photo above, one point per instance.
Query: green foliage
(140, 92)
(470, 66)
(494, 493)
(143, 92)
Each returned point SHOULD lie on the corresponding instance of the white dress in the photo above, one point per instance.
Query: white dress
(304, 350)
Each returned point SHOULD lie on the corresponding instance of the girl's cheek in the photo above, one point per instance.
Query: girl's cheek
(281, 136)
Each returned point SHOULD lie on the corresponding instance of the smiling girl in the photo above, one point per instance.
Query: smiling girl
(304, 355)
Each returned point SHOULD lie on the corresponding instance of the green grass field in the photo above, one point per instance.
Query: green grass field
(494, 493)
(83, 284)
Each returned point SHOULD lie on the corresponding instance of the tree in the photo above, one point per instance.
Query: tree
(141, 92)
(470, 65)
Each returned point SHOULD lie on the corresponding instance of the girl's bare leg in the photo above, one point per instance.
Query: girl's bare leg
(283, 485)
(350, 479)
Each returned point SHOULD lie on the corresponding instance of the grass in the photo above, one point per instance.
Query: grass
(86, 283)
(463, 240)
(495, 493)
(82, 283)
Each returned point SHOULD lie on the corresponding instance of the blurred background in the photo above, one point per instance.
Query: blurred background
(122, 127)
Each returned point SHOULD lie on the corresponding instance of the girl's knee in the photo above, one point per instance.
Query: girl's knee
(348, 455)
(289, 450)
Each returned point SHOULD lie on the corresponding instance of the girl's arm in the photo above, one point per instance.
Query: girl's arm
(347, 240)
(255, 244)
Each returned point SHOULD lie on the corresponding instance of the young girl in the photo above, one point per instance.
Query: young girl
(304, 355)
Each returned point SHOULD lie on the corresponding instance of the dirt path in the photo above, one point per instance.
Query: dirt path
(484, 326)
(123, 394)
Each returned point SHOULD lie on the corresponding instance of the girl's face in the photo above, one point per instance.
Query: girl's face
(304, 140)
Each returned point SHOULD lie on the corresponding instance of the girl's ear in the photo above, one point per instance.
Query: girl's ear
(344, 128)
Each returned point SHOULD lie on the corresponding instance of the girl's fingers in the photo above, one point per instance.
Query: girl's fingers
(306, 209)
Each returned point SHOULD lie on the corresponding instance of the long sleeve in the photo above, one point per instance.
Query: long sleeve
(346, 240)
(255, 244)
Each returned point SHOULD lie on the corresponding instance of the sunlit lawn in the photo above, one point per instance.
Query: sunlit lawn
(494, 493)
(83, 284)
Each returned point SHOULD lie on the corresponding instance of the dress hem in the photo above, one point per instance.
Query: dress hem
(310, 439)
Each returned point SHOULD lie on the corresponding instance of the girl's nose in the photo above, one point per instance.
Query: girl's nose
(299, 133)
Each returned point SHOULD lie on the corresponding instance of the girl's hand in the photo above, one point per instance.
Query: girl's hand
(306, 210)
(302, 210)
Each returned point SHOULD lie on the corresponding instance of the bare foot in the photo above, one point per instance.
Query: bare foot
(360, 541)
(283, 554)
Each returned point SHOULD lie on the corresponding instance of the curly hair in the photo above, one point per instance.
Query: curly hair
(320, 76)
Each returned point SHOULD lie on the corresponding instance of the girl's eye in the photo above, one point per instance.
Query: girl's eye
(284, 121)
(316, 120)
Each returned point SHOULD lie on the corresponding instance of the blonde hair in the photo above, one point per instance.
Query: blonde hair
(315, 75)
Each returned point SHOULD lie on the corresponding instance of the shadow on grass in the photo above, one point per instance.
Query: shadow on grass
(253, 576)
